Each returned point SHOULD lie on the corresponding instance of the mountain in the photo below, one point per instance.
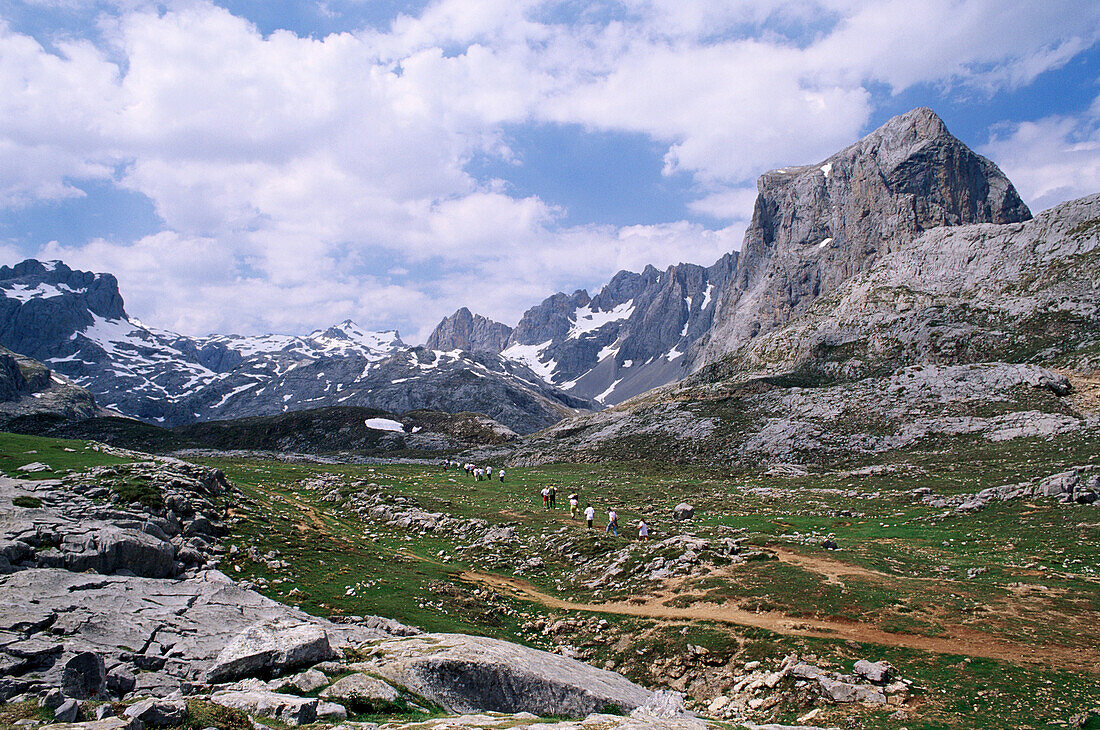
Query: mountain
(76, 322)
(630, 337)
(898, 294)
(815, 227)
(29, 388)
(464, 330)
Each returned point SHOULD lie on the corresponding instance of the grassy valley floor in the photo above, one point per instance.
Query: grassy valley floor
(991, 615)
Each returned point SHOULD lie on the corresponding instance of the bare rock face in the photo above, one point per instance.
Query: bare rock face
(818, 225)
(464, 330)
(471, 674)
(271, 648)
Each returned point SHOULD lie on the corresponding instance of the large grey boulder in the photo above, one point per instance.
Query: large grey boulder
(469, 674)
(361, 687)
(683, 511)
(84, 677)
(183, 625)
(291, 709)
(271, 648)
(155, 712)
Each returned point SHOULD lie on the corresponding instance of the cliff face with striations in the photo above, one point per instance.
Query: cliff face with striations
(816, 226)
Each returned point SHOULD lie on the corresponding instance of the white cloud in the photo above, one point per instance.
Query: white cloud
(1053, 159)
(293, 173)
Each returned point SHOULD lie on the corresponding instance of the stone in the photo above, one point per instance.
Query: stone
(683, 511)
(877, 672)
(52, 699)
(361, 686)
(290, 709)
(476, 674)
(331, 712)
(84, 677)
(120, 680)
(155, 712)
(107, 723)
(305, 682)
(271, 648)
(840, 691)
(67, 711)
(664, 704)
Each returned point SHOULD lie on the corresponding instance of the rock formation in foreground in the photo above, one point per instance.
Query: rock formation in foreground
(109, 592)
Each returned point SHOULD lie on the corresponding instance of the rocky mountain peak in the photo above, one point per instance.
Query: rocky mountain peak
(815, 226)
(465, 330)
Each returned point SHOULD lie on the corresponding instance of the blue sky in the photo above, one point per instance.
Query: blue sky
(252, 166)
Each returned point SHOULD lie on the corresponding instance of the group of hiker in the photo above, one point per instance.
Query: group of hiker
(477, 472)
(549, 501)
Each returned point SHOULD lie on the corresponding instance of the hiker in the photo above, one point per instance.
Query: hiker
(573, 506)
(612, 523)
(553, 497)
(590, 515)
(546, 498)
(489, 473)
(643, 531)
(502, 475)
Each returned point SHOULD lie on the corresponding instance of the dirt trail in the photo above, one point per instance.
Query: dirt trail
(1085, 395)
(960, 640)
(832, 569)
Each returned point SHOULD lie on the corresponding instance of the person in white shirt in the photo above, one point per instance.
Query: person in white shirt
(573, 506)
(643, 531)
(612, 523)
(590, 514)
(502, 475)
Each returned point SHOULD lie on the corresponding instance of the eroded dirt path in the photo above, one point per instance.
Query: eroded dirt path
(959, 639)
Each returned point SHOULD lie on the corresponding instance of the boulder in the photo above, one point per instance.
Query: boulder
(270, 648)
(120, 680)
(877, 672)
(67, 711)
(158, 713)
(84, 677)
(664, 704)
(291, 709)
(308, 681)
(840, 691)
(473, 674)
(107, 723)
(361, 687)
(683, 511)
(331, 712)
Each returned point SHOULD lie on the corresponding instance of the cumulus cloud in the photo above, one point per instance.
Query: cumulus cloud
(296, 175)
(1053, 159)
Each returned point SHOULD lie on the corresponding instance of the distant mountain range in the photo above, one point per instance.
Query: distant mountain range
(817, 231)
(76, 323)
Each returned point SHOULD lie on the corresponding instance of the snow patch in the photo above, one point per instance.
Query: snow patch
(672, 354)
(706, 296)
(825, 243)
(586, 320)
(609, 350)
(628, 363)
(384, 424)
(531, 356)
(609, 391)
(827, 168)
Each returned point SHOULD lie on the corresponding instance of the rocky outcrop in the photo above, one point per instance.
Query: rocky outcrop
(271, 648)
(86, 523)
(468, 674)
(163, 633)
(815, 227)
(464, 330)
(777, 419)
(29, 388)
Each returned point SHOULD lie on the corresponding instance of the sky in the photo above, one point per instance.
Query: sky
(253, 166)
